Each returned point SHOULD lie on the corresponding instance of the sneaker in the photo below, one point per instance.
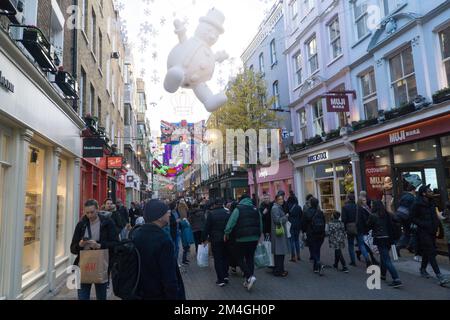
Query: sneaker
(233, 271)
(321, 270)
(245, 284)
(221, 283)
(425, 274)
(251, 282)
(226, 280)
(442, 280)
(345, 270)
(396, 284)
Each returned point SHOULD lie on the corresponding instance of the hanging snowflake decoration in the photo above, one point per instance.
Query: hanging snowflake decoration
(162, 22)
(154, 55)
(155, 78)
(146, 27)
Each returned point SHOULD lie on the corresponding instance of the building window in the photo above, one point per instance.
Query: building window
(392, 5)
(127, 116)
(298, 68)
(361, 16)
(403, 79)
(444, 39)
(303, 125)
(369, 94)
(99, 110)
(318, 123)
(61, 209)
(263, 100)
(93, 31)
(313, 58)
(92, 109)
(84, 15)
(308, 6)
(276, 95)
(335, 39)
(261, 63)
(294, 9)
(31, 261)
(100, 49)
(83, 93)
(273, 52)
(251, 68)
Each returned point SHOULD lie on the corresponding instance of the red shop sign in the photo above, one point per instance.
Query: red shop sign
(375, 176)
(338, 103)
(115, 162)
(409, 133)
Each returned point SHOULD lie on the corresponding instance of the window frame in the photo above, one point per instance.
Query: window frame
(373, 94)
(444, 60)
(261, 63)
(298, 68)
(273, 52)
(276, 94)
(303, 125)
(337, 39)
(363, 15)
(293, 9)
(404, 77)
(320, 120)
(314, 56)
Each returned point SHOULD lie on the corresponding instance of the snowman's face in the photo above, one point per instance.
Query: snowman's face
(207, 33)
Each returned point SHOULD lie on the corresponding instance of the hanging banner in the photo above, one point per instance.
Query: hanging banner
(338, 103)
(93, 147)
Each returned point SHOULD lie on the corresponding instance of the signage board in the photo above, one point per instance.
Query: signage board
(115, 162)
(318, 157)
(338, 103)
(93, 147)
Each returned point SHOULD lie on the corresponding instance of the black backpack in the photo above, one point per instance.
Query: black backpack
(318, 223)
(126, 270)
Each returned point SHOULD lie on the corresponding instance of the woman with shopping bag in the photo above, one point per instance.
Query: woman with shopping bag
(93, 242)
(280, 247)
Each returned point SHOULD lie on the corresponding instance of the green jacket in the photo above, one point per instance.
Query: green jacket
(234, 219)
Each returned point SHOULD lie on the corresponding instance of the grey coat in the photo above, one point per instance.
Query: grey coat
(279, 244)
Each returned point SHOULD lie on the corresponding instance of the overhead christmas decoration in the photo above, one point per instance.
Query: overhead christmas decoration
(191, 63)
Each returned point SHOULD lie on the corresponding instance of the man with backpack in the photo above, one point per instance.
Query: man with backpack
(160, 278)
(313, 224)
(403, 214)
(214, 232)
(246, 225)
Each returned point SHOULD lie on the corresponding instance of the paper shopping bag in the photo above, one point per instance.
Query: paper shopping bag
(268, 245)
(94, 266)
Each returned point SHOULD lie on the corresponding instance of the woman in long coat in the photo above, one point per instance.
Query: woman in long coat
(280, 246)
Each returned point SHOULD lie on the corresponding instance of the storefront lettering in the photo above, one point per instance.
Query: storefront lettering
(318, 157)
(402, 135)
(5, 83)
(263, 174)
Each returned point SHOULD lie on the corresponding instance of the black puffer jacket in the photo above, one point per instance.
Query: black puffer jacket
(215, 225)
(108, 236)
(382, 228)
(306, 223)
(197, 220)
(423, 214)
(361, 220)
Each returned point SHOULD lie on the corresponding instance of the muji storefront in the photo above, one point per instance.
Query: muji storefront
(415, 154)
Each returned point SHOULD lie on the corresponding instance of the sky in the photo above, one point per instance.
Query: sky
(150, 32)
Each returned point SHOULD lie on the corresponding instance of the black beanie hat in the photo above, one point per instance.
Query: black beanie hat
(154, 210)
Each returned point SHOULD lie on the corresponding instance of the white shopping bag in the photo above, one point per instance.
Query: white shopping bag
(268, 245)
(288, 229)
(394, 252)
(203, 256)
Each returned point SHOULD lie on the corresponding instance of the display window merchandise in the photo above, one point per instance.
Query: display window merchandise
(33, 211)
(61, 211)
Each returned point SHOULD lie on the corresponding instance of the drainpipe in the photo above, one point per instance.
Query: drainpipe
(74, 54)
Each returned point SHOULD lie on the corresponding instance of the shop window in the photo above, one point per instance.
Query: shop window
(417, 151)
(324, 171)
(445, 143)
(326, 195)
(4, 165)
(309, 181)
(377, 168)
(33, 211)
(61, 210)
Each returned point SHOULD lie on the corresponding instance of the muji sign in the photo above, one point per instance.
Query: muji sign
(338, 103)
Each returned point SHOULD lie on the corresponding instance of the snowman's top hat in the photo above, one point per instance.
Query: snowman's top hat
(215, 18)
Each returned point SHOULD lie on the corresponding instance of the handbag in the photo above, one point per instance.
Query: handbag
(351, 228)
(279, 230)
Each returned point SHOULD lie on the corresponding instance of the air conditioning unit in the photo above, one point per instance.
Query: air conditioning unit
(115, 55)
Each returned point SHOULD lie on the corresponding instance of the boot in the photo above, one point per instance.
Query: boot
(293, 259)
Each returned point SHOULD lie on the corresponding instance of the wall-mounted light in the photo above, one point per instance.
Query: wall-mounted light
(34, 155)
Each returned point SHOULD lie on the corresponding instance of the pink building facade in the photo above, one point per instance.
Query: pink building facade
(270, 180)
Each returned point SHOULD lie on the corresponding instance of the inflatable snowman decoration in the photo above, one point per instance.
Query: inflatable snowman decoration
(191, 63)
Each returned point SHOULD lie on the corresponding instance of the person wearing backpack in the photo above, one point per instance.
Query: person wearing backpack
(313, 224)
(246, 226)
(160, 278)
(93, 232)
(403, 214)
(295, 216)
(349, 212)
(214, 233)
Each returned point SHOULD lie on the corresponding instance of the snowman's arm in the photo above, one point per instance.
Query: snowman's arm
(180, 31)
(221, 56)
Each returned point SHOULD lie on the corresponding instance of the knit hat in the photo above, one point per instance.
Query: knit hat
(154, 210)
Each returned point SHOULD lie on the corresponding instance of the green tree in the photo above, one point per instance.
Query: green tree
(247, 108)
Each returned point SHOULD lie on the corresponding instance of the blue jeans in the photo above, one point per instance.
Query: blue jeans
(362, 247)
(351, 249)
(386, 263)
(85, 292)
(295, 242)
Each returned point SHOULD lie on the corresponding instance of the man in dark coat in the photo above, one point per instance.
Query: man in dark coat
(424, 215)
(160, 277)
(264, 209)
(134, 213)
(93, 232)
(348, 217)
(214, 233)
(403, 213)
